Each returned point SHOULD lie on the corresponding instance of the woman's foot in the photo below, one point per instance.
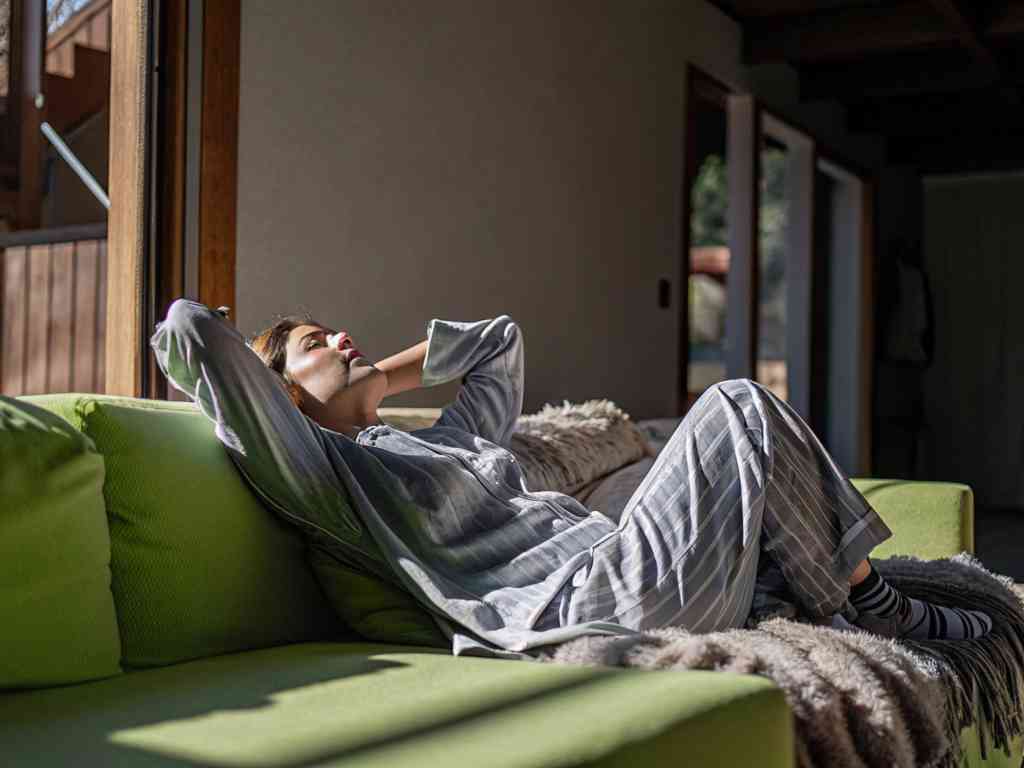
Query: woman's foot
(884, 610)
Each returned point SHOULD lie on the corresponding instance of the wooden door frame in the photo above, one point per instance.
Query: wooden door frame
(743, 134)
(744, 142)
(158, 99)
(710, 89)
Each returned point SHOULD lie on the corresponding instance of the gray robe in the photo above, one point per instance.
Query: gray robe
(742, 502)
(443, 512)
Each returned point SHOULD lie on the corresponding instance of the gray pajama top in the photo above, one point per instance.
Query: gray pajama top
(444, 510)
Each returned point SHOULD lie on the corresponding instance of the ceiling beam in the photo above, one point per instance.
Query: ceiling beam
(851, 33)
(967, 30)
(895, 75)
(968, 153)
(937, 116)
(761, 8)
(1006, 22)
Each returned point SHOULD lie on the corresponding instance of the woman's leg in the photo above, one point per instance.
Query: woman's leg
(743, 475)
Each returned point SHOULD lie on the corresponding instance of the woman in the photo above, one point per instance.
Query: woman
(742, 491)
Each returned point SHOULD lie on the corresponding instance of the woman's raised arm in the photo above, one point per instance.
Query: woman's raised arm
(488, 356)
(277, 447)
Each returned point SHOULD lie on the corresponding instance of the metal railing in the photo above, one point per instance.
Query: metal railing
(53, 310)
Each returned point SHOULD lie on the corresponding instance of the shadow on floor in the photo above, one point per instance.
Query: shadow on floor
(999, 540)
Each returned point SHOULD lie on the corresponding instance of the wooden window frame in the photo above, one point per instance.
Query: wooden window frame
(160, 98)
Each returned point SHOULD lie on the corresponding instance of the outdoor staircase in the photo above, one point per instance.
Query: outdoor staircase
(70, 101)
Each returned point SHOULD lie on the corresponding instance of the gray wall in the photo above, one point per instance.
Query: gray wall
(974, 415)
(467, 158)
(403, 161)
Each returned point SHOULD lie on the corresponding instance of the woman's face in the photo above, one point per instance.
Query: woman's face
(328, 368)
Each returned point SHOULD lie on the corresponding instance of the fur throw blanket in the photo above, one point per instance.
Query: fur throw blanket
(573, 446)
(569, 448)
(861, 699)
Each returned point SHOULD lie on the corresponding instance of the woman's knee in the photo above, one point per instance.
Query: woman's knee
(727, 387)
(737, 383)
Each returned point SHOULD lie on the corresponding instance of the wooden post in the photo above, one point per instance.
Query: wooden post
(127, 226)
(218, 184)
(130, 310)
(31, 31)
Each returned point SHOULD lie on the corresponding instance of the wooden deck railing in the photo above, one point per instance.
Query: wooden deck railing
(53, 310)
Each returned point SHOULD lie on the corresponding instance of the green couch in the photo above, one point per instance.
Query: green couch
(161, 617)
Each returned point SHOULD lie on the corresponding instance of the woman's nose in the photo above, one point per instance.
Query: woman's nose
(337, 341)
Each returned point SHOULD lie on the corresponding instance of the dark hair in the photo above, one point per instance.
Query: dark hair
(272, 347)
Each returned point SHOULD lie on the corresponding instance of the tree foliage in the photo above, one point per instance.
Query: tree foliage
(709, 226)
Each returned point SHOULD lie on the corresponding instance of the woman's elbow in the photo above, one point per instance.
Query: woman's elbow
(191, 318)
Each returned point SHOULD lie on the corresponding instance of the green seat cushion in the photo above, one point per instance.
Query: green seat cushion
(928, 519)
(199, 566)
(57, 619)
(349, 704)
(374, 609)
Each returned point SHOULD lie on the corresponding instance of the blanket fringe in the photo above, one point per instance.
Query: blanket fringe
(984, 676)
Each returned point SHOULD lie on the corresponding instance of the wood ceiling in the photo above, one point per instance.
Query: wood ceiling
(942, 80)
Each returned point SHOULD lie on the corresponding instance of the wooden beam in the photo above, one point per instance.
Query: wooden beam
(218, 184)
(898, 75)
(866, 31)
(169, 148)
(29, 17)
(847, 33)
(967, 31)
(763, 8)
(935, 115)
(127, 183)
(1007, 23)
(969, 153)
(956, 17)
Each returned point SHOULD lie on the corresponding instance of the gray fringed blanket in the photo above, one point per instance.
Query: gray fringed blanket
(860, 699)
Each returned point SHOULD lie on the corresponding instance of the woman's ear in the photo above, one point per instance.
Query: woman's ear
(294, 390)
(295, 393)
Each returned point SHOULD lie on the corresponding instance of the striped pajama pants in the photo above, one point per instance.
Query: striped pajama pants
(743, 497)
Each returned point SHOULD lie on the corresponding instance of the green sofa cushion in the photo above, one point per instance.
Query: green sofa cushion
(57, 613)
(928, 519)
(374, 609)
(350, 704)
(199, 566)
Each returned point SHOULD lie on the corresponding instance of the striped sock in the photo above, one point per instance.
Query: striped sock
(912, 618)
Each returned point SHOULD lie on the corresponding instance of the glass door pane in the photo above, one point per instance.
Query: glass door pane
(709, 251)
